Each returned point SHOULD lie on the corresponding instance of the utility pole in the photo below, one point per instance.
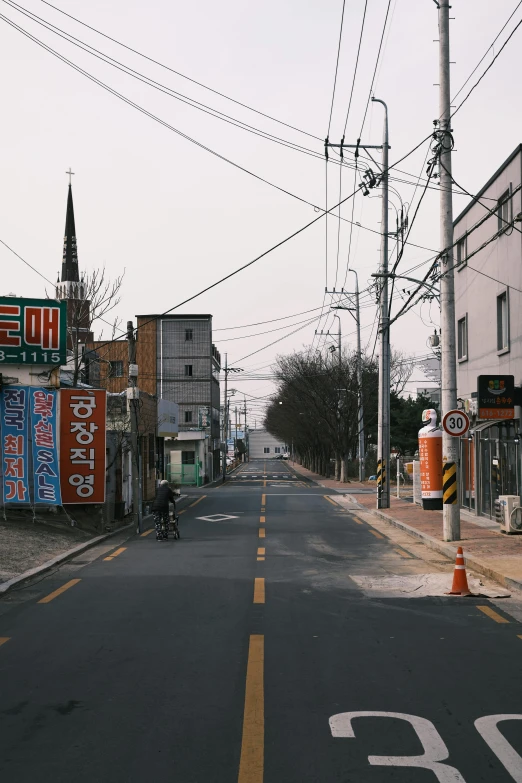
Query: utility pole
(133, 400)
(360, 407)
(225, 424)
(450, 453)
(245, 434)
(338, 460)
(383, 423)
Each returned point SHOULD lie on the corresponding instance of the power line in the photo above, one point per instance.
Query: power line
(376, 65)
(336, 68)
(356, 66)
(178, 73)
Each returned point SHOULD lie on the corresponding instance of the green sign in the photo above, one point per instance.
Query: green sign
(33, 331)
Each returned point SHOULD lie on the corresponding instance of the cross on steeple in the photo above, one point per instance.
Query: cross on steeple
(70, 173)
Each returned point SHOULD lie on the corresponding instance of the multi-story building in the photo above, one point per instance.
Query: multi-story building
(488, 299)
(177, 361)
(263, 445)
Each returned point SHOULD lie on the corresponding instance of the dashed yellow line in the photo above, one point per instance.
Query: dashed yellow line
(261, 520)
(147, 532)
(402, 553)
(116, 553)
(182, 511)
(251, 764)
(329, 499)
(263, 500)
(261, 532)
(197, 501)
(494, 615)
(259, 590)
(260, 558)
(376, 534)
(4, 639)
(56, 593)
(261, 550)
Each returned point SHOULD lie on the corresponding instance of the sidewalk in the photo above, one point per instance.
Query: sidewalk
(486, 550)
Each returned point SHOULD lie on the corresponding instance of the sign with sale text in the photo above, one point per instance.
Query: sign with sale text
(33, 331)
(82, 445)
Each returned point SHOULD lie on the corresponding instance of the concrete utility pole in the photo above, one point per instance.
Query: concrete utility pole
(245, 434)
(225, 424)
(450, 445)
(133, 401)
(383, 424)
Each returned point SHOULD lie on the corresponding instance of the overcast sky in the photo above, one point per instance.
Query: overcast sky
(177, 218)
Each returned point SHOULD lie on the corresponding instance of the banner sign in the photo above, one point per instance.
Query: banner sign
(496, 397)
(33, 331)
(82, 445)
(204, 417)
(45, 456)
(14, 416)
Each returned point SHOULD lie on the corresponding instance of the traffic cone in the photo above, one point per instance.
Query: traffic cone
(460, 580)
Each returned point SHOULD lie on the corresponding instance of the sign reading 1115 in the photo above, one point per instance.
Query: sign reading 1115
(33, 331)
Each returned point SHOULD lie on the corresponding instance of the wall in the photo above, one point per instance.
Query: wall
(258, 440)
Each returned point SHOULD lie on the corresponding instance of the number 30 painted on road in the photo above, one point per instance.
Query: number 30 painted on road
(435, 751)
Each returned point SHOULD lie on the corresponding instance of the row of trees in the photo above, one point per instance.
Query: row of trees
(315, 410)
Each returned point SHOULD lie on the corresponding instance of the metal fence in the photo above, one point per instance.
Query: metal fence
(187, 475)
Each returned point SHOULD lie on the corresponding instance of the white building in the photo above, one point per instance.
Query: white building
(262, 445)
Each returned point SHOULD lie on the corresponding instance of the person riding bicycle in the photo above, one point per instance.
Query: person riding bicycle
(160, 509)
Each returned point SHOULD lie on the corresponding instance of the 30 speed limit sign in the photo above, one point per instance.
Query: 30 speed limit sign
(455, 423)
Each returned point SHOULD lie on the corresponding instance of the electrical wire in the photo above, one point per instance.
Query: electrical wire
(356, 66)
(376, 65)
(336, 68)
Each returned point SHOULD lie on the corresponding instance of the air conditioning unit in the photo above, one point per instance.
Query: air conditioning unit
(509, 514)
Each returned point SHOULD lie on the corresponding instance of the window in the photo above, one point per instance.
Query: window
(188, 335)
(188, 370)
(462, 338)
(188, 417)
(266, 450)
(188, 457)
(277, 450)
(503, 322)
(116, 369)
(462, 250)
(503, 215)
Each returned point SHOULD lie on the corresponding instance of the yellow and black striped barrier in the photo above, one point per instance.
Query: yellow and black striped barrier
(449, 483)
(381, 473)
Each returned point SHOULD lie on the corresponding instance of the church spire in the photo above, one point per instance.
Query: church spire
(70, 254)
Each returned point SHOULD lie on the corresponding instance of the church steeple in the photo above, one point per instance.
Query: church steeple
(70, 272)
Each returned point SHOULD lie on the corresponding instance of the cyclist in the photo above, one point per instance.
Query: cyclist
(160, 509)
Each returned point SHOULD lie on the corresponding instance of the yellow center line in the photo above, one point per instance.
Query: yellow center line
(261, 520)
(401, 553)
(251, 764)
(261, 550)
(4, 639)
(376, 534)
(182, 511)
(197, 501)
(261, 532)
(494, 615)
(263, 500)
(260, 558)
(358, 521)
(329, 499)
(119, 551)
(58, 592)
(519, 636)
(259, 590)
(147, 532)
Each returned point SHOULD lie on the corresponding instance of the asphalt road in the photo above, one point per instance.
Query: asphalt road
(247, 652)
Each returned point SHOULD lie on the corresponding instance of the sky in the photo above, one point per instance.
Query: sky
(176, 218)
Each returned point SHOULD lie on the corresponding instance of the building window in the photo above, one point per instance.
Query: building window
(188, 457)
(188, 370)
(266, 450)
(462, 338)
(503, 322)
(503, 210)
(188, 335)
(277, 450)
(188, 417)
(116, 369)
(462, 250)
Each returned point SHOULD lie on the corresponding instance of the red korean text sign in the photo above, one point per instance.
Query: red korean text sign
(82, 445)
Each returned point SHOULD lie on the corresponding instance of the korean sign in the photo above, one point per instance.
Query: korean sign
(496, 397)
(82, 445)
(204, 417)
(14, 415)
(43, 404)
(33, 331)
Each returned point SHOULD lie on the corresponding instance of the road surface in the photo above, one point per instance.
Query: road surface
(248, 651)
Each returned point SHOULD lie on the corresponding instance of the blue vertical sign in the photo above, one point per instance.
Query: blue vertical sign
(45, 456)
(14, 417)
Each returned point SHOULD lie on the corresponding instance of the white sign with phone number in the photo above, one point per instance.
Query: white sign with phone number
(455, 423)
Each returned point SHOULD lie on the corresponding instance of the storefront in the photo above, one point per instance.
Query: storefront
(490, 466)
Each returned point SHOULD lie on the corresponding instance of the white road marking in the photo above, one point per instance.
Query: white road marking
(435, 751)
(217, 518)
(488, 730)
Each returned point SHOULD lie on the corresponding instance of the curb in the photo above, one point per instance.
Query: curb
(449, 551)
(5, 586)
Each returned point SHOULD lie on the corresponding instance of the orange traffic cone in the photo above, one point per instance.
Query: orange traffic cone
(460, 580)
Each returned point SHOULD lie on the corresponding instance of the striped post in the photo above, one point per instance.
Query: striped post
(449, 483)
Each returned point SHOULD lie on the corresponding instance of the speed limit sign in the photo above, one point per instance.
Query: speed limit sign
(455, 423)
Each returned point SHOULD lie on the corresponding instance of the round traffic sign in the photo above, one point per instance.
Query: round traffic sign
(455, 423)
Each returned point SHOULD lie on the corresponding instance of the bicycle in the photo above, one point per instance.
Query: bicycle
(162, 525)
